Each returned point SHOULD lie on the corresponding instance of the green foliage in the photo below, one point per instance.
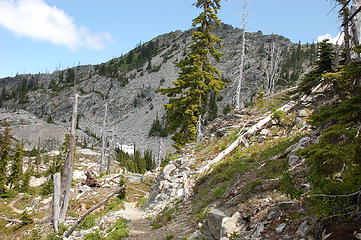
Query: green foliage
(164, 217)
(89, 221)
(16, 174)
(118, 231)
(278, 115)
(344, 79)
(26, 179)
(227, 109)
(212, 107)
(324, 64)
(197, 78)
(169, 236)
(158, 129)
(26, 219)
(136, 163)
(287, 186)
(4, 158)
(122, 193)
(334, 160)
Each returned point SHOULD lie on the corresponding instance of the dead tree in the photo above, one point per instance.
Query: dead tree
(240, 76)
(68, 165)
(56, 202)
(272, 68)
(199, 128)
(102, 159)
(160, 149)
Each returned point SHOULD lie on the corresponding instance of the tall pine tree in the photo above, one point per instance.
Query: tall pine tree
(197, 78)
(4, 158)
(16, 168)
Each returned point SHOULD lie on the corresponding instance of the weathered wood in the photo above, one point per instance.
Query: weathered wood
(102, 159)
(10, 220)
(92, 209)
(56, 202)
(68, 165)
(243, 56)
(242, 138)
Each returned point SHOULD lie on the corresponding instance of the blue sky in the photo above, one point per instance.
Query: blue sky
(39, 35)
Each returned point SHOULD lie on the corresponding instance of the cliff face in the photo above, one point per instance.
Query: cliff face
(129, 84)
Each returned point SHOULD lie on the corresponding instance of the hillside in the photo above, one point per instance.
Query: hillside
(129, 84)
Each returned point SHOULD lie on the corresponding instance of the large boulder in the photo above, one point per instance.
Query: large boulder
(212, 226)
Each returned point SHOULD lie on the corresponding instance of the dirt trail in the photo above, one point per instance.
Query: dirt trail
(139, 226)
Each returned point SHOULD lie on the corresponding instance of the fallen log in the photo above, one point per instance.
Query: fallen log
(92, 209)
(242, 138)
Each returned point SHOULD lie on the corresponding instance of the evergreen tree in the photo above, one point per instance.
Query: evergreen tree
(197, 78)
(212, 108)
(16, 168)
(4, 158)
(26, 178)
(324, 64)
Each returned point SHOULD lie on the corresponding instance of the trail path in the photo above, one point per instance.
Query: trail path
(139, 226)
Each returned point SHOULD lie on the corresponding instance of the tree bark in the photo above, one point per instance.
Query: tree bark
(71, 230)
(102, 159)
(243, 56)
(68, 165)
(56, 202)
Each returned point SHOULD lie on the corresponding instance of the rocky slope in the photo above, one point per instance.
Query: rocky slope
(129, 84)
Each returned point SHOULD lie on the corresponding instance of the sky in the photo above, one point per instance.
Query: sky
(45, 35)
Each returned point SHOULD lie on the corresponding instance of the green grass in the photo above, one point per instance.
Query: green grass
(118, 231)
(164, 217)
(238, 165)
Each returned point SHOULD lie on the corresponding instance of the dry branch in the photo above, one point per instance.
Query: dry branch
(71, 230)
(242, 138)
(10, 220)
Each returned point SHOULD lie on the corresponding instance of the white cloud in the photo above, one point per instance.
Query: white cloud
(37, 20)
(334, 40)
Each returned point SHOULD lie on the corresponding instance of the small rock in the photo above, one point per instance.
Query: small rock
(135, 178)
(302, 113)
(168, 170)
(265, 132)
(231, 225)
(358, 235)
(273, 214)
(280, 228)
(36, 182)
(302, 229)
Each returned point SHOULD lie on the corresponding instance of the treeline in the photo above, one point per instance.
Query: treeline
(136, 58)
(19, 92)
(136, 163)
(293, 65)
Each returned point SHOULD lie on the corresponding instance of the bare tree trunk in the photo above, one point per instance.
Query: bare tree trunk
(56, 202)
(160, 149)
(102, 160)
(199, 128)
(68, 165)
(243, 56)
(272, 68)
(71, 230)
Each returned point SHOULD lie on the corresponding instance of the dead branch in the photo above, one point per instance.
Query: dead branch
(10, 220)
(335, 196)
(71, 230)
(351, 17)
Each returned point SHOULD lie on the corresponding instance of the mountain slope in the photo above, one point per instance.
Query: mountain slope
(129, 83)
